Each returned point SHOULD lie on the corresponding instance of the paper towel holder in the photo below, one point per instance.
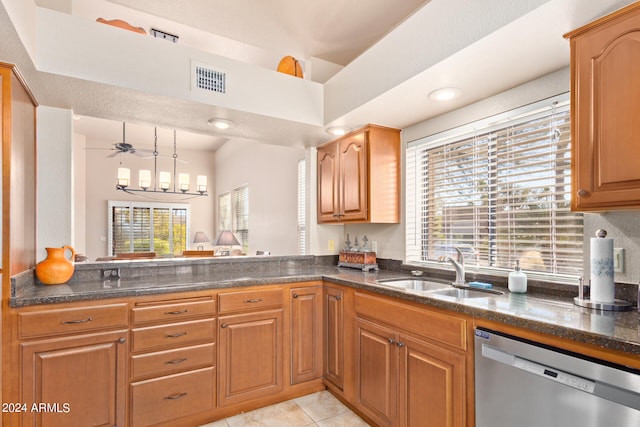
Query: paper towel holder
(616, 305)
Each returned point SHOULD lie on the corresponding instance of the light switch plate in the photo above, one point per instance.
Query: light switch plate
(618, 260)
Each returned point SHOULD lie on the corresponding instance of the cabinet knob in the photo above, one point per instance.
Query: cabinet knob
(338, 297)
(295, 295)
(391, 340)
(583, 193)
(400, 344)
(121, 340)
(224, 325)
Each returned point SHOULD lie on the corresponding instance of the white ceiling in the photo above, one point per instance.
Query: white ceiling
(333, 30)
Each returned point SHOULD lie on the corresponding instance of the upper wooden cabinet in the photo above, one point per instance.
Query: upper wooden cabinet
(359, 177)
(605, 85)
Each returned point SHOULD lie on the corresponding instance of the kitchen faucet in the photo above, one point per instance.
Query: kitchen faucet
(458, 266)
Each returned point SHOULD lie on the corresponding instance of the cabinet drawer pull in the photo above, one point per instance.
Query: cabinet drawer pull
(179, 334)
(175, 361)
(176, 312)
(251, 301)
(74, 322)
(176, 396)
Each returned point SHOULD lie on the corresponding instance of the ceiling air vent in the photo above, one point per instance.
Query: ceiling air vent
(210, 80)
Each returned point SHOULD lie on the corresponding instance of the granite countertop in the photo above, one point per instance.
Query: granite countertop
(553, 315)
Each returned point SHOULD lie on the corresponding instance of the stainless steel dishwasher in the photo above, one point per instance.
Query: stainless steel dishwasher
(524, 384)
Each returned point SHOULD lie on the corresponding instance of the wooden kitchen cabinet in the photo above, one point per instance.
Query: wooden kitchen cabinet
(334, 328)
(173, 361)
(306, 333)
(81, 378)
(250, 340)
(74, 360)
(411, 364)
(359, 177)
(605, 98)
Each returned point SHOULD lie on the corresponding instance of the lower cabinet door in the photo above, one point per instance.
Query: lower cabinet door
(306, 334)
(163, 399)
(432, 385)
(250, 356)
(75, 381)
(377, 372)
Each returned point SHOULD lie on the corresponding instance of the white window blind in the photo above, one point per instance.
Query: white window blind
(147, 227)
(302, 210)
(501, 193)
(240, 200)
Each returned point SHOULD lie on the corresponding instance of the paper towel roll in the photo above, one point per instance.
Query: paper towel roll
(602, 282)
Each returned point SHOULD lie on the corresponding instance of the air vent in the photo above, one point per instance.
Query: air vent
(210, 80)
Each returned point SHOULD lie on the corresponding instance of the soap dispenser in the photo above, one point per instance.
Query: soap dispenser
(517, 280)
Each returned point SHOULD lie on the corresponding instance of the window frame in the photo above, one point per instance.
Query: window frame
(132, 204)
(416, 227)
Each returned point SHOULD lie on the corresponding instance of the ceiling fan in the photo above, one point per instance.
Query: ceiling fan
(124, 147)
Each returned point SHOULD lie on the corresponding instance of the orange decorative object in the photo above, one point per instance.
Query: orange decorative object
(122, 24)
(55, 268)
(290, 65)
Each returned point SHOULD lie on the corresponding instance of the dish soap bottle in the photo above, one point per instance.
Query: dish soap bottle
(517, 280)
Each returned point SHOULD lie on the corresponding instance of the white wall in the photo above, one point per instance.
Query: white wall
(55, 216)
(271, 173)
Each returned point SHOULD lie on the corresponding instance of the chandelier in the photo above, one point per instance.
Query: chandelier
(163, 182)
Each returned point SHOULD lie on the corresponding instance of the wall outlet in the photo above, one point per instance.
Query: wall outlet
(110, 273)
(618, 260)
(332, 246)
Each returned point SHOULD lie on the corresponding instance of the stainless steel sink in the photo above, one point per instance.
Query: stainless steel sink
(465, 293)
(416, 284)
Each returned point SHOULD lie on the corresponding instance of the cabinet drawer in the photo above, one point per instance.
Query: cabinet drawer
(172, 310)
(441, 327)
(257, 299)
(168, 398)
(172, 334)
(71, 320)
(171, 361)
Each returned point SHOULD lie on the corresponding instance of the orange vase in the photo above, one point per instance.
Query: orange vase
(55, 268)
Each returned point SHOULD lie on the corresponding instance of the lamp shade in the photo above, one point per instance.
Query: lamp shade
(200, 237)
(226, 238)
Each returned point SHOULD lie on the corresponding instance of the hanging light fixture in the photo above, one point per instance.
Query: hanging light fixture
(162, 182)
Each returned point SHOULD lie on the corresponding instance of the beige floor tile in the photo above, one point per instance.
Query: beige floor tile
(221, 423)
(348, 419)
(285, 414)
(321, 405)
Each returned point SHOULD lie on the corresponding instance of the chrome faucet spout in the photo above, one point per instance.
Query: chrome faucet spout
(458, 265)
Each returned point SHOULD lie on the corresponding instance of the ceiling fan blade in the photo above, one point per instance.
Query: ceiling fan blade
(113, 154)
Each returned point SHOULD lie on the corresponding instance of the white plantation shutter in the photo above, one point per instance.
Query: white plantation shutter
(500, 192)
(240, 212)
(302, 210)
(148, 227)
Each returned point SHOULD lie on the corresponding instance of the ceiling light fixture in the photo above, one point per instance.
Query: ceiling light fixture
(221, 123)
(338, 130)
(444, 94)
(162, 181)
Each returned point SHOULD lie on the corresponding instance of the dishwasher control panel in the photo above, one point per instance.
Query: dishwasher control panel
(553, 374)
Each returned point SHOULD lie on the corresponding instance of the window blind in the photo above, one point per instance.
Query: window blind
(148, 227)
(302, 210)
(501, 193)
(240, 198)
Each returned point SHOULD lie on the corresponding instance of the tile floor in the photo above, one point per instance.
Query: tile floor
(314, 410)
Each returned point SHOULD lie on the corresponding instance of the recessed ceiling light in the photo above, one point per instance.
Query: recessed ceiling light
(444, 94)
(221, 123)
(338, 130)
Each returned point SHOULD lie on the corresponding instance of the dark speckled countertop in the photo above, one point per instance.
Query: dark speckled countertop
(553, 315)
